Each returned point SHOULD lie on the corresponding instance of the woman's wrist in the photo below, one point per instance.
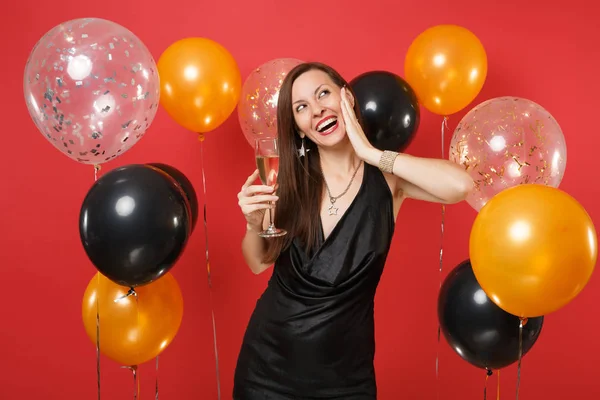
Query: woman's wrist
(371, 155)
(384, 160)
(253, 229)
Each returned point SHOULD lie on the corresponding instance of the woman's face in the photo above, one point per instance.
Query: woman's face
(317, 109)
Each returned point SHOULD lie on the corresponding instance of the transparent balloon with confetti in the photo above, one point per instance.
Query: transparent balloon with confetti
(92, 89)
(257, 110)
(508, 141)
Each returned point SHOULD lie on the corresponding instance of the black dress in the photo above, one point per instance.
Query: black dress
(311, 335)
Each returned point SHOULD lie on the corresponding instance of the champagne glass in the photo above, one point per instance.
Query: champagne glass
(267, 161)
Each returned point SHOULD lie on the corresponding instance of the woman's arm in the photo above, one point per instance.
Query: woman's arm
(429, 179)
(254, 249)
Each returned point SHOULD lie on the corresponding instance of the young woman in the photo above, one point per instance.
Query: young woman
(311, 335)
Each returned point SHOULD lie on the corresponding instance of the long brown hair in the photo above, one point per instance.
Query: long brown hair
(300, 179)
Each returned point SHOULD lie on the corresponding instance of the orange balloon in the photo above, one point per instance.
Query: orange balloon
(133, 331)
(200, 83)
(533, 249)
(446, 66)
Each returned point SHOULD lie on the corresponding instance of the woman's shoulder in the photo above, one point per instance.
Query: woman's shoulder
(389, 192)
(388, 182)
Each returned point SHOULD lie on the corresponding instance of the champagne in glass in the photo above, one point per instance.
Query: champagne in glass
(268, 168)
(267, 162)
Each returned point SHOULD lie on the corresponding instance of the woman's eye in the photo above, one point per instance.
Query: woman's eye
(299, 108)
(323, 92)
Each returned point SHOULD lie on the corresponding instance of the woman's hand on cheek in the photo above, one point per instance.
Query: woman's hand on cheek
(353, 129)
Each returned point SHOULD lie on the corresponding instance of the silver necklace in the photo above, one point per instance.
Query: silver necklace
(333, 210)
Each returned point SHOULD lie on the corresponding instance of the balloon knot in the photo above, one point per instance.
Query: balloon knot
(489, 372)
(201, 137)
(131, 292)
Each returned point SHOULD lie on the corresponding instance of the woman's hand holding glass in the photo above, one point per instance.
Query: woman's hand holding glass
(254, 200)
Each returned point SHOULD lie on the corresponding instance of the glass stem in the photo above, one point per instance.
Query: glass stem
(270, 216)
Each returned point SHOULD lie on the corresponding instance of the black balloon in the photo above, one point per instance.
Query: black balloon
(477, 329)
(134, 224)
(389, 108)
(186, 186)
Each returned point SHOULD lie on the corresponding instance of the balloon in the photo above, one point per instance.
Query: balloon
(134, 224)
(508, 141)
(477, 329)
(446, 65)
(200, 83)
(91, 88)
(389, 109)
(132, 331)
(533, 249)
(257, 111)
(186, 186)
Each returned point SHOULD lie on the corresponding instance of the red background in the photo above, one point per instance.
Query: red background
(536, 49)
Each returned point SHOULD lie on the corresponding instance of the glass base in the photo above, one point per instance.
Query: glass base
(272, 232)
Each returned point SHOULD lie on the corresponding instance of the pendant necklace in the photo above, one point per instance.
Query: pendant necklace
(333, 210)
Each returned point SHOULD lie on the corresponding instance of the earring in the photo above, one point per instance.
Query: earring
(303, 151)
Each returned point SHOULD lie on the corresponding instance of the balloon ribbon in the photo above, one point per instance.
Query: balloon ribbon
(98, 335)
(522, 323)
(96, 170)
(136, 383)
(437, 357)
(487, 375)
(498, 393)
(133, 368)
(156, 386)
(212, 310)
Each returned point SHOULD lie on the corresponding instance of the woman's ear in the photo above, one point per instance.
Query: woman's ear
(350, 96)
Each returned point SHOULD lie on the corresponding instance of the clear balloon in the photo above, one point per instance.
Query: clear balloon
(257, 110)
(505, 142)
(92, 89)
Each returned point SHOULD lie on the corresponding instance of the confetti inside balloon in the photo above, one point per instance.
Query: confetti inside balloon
(257, 110)
(505, 142)
(92, 89)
